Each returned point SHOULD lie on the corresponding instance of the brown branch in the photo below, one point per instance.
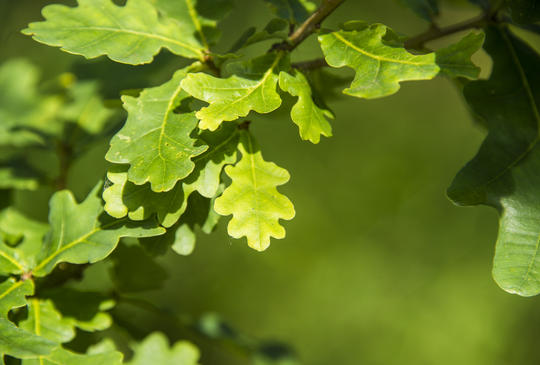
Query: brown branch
(418, 41)
(309, 26)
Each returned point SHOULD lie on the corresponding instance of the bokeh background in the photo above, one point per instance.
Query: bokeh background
(378, 267)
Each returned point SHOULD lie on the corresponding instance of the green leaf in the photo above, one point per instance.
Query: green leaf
(15, 176)
(198, 17)
(252, 87)
(45, 321)
(131, 34)
(135, 271)
(154, 349)
(275, 29)
(22, 344)
(310, 118)
(22, 107)
(455, 60)
(21, 242)
(252, 197)
(294, 11)
(426, 9)
(81, 233)
(505, 173)
(379, 67)
(139, 202)
(86, 108)
(61, 356)
(155, 140)
(85, 310)
(13, 294)
(222, 151)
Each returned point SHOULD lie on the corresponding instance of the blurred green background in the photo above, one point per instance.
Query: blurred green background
(378, 267)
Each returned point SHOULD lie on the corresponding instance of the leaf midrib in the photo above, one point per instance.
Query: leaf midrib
(72, 244)
(136, 32)
(374, 56)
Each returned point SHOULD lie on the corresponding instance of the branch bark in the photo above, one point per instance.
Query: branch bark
(309, 26)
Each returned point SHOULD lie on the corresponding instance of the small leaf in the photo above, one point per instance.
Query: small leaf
(310, 118)
(154, 349)
(455, 60)
(81, 233)
(139, 202)
(379, 67)
(13, 294)
(45, 321)
(155, 140)
(252, 197)
(252, 87)
(20, 256)
(505, 171)
(131, 34)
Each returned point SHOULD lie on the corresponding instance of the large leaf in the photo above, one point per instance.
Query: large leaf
(308, 116)
(252, 87)
(252, 197)
(82, 233)
(379, 67)
(455, 60)
(155, 140)
(505, 173)
(197, 17)
(154, 349)
(45, 321)
(131, 34)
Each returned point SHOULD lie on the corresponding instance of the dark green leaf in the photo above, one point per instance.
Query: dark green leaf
(505, 172)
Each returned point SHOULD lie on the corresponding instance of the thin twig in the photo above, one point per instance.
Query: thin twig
(310, 65)
(418, 41)
(309, 26)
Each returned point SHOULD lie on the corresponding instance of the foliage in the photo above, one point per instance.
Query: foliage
(187, 155)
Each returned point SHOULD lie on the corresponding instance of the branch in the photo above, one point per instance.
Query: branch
(310, 65)
(309, 26)
(417, 42)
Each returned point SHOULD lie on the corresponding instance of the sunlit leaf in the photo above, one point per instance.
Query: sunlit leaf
(155, 349)
(131, 34)
(311, 120)
(379, 67)
(252, 197)
(62, 356)
(252, 87)
(155, 140)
